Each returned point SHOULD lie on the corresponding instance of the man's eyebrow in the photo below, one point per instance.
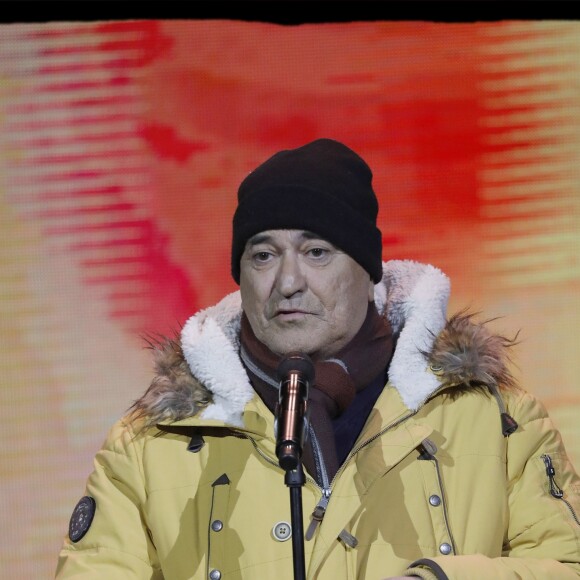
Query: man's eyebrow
(263, 237)
(312, 236)
(259, 239)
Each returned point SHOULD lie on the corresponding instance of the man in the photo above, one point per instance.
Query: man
(423, 458)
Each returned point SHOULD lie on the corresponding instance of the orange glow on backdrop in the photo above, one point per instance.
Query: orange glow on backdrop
(122, 147)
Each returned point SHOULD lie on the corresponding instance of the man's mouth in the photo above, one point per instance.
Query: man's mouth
(290, 313)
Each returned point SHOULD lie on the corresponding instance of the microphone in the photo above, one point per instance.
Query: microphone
(295, 373)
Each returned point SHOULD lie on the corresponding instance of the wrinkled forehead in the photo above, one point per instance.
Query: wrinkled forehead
(271, 236)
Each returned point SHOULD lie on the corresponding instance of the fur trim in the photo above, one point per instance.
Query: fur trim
(200, 373)
(466, 355)
(174, 392)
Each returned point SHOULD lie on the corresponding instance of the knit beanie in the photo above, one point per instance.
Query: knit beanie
(322, 187)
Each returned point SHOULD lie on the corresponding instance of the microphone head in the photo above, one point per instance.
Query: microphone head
(296, 362)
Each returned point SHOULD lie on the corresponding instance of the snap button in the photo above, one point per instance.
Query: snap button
(217, 525)
(445, 548)
(435, 500)
(282, 531)
(215, 575)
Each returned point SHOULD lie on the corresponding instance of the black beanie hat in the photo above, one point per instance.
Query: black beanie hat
(322, 187)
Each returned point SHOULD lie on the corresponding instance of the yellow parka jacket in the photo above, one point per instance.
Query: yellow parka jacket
(457, 474)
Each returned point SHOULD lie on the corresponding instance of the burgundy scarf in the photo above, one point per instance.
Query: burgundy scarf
(337, 380)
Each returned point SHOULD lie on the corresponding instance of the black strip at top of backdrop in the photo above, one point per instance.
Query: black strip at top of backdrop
(287, 12)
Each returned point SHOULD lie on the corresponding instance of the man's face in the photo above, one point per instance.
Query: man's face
(301, 293)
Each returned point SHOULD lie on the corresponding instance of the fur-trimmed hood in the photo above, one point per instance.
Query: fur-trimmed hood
(200, 372)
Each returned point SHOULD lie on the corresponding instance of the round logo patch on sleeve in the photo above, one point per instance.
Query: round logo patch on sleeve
(82, 518)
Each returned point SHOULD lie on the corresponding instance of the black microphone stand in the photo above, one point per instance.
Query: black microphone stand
(294, 480)
(296, 371)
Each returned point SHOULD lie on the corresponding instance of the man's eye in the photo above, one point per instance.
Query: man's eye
(262, 256)
(317, 252)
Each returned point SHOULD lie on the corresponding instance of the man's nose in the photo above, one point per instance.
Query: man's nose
(290, 278)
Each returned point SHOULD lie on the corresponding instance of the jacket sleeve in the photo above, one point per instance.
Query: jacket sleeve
(543, 532)
(116, 543)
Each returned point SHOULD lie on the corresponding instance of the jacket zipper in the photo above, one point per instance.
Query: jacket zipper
(326, 489)
(555, 490)
(320, 508)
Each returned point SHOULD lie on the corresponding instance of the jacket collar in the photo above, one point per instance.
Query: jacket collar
(413, 296)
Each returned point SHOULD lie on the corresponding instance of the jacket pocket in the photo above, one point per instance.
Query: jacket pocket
(216, 532)
(555, 490)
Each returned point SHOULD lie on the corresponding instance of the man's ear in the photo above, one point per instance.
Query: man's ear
(371, 291)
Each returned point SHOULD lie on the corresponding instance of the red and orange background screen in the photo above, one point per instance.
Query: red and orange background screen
(122, 147)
